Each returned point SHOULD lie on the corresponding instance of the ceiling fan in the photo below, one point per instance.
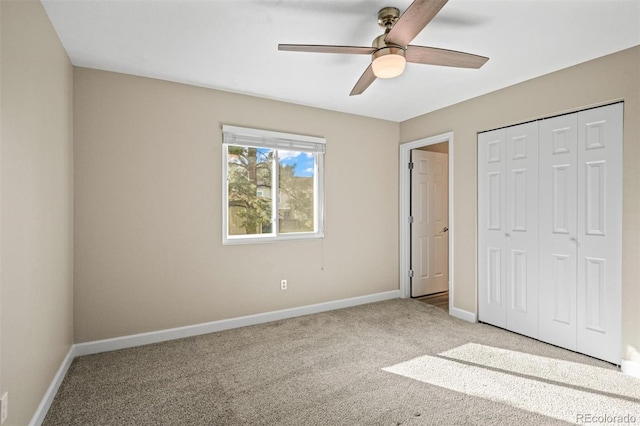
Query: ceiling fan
(391, 51)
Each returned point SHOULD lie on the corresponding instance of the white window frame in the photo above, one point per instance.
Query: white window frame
(257, 138)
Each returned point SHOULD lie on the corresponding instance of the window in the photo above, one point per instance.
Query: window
(272, 185)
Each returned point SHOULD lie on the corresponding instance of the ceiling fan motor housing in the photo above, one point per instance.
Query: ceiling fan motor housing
(383, 48)
(387, 16)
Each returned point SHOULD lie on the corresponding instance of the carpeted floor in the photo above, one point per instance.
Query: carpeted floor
(399, 362)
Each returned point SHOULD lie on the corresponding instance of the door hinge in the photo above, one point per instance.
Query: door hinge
(410, 273)
(410, 219)
(411, 166)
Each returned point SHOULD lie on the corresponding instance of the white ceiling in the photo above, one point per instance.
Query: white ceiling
(232, 45)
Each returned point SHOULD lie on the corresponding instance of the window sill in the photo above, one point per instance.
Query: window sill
(271, 239)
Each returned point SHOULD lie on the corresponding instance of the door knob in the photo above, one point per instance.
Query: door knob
(445, 229)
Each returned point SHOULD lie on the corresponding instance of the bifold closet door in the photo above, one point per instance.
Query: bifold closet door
(491, 228)
(522, 228)
(558, 230)
(508, 228)
(581, 231)
(599, 288)
(550, 230)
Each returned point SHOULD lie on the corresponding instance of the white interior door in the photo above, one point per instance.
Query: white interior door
(599, 228)
(508, 228)
(491, 228)
(522, 228)
(430, 213)
(558, 229)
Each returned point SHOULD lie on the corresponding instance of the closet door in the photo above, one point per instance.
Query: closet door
(491, 228)
(550, 230)
(558, 230)
(508, 228)
(522, 228)
(600, 232)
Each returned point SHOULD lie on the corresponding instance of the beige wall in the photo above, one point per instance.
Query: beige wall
(1, 131)
(611, 78)
(147, 161)
(36, 210)
(148, 231)
(442, 147)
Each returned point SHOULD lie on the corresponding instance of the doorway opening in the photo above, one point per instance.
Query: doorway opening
(439, 143)
(429, 223)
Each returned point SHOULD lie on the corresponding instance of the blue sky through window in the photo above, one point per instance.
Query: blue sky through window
(303, 160)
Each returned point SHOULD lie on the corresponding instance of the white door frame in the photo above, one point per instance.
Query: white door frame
(405, 198)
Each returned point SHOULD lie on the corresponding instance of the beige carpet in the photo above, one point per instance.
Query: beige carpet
(399, 362)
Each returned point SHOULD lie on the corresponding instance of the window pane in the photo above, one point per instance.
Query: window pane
(249, 186)
(296, 174)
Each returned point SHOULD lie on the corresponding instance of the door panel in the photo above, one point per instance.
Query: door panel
(599, 232)
(594, 194)
(595, 306)
(563, 292)
(430, 211)
(519, 280)
(519, 203)
(495, 195)
(562, 189)
(558, 227)
(522, 228)
(492, 307)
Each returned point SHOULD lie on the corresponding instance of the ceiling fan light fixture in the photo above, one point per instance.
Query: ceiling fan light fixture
(388, 62)
(388, 49)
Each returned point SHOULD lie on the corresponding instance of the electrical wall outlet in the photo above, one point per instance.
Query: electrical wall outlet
(283, 284)
(4, 407)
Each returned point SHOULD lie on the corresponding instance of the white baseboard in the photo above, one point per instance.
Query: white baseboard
(43, 408)
(227, 324)
(107, 345)
(631, 368)
(463, 315)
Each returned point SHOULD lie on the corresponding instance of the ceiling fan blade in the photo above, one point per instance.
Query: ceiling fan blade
(443, 57)
(413, 20)
(365, 81)
(319, 48)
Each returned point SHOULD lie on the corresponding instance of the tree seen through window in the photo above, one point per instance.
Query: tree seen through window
(252, 185)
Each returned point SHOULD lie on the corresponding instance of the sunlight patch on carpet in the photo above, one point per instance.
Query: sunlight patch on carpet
(557, 370)
(560, 389)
